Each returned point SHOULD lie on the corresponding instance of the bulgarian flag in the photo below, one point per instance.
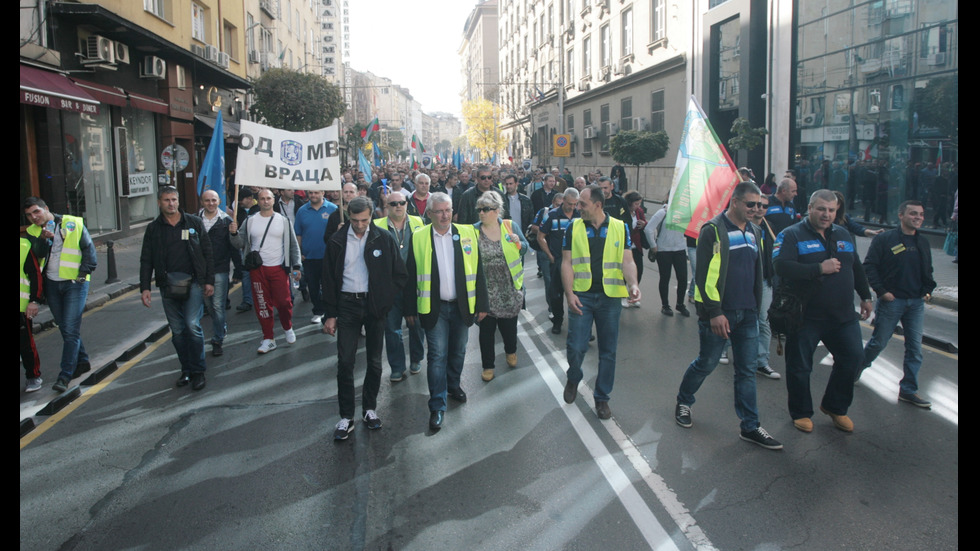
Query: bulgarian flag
(704, 175)
(419, 150)
(371, 128)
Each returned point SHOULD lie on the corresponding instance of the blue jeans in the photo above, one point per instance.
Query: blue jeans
(312, 274)
(184, 318)
(765, 333)
(910, 311)
(604, 311)
(744, 325)
(246, 288)
(66, 299)
(843, 341)
(447, 350)
(216, 307)
(395, 346)
(545, 266)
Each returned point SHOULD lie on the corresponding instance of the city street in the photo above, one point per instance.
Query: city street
(249, 462)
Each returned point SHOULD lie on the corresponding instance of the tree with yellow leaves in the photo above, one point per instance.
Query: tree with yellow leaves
(481, 117)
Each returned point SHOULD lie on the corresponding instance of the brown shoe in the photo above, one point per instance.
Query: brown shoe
(487, 375)
(602, 410)
(804, 424)
(571, 389)
(842, 422)
(512, 360)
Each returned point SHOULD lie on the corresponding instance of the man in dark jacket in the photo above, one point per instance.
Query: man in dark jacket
(363, 272)
(899, 269)
(219, 227)
(175, 245)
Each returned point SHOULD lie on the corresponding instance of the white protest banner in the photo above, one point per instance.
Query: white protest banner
(273, 158)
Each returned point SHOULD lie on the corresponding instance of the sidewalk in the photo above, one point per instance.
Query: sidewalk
(116, 326)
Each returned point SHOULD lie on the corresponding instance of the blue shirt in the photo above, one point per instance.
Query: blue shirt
(311, 225)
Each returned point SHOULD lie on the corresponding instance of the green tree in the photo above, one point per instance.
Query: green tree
(295, 101)
(637, 147)
(938, 105)
(744, 136)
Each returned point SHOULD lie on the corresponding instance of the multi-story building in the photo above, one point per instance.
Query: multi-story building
(375, 96)
(478, 53)
(119, 97)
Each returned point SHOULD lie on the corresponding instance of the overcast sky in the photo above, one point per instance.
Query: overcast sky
(414, 44)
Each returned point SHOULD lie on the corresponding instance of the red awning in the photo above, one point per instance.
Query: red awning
(54, 90)
(111, 95)
(140, 101)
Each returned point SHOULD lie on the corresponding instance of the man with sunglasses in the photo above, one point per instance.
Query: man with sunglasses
(401, 225)
(728, 297)
(467, 203)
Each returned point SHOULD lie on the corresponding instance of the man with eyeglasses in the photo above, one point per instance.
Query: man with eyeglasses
(401, 226)
(467, 203)
(450, 294)
(728, 297)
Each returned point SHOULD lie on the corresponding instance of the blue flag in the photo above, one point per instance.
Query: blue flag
(212, 172)
(364, 165)
(377, 155)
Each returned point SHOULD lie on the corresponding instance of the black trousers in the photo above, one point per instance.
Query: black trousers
(488, 330)
(353, 313)
(678, 261)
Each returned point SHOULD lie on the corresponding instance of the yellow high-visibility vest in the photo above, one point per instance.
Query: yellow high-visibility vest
(422, 249)
(613, 281)
(25, 283)
(71, 253)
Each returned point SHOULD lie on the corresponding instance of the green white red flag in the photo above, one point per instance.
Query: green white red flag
(418, 150)
(371, 128)
(704, 175)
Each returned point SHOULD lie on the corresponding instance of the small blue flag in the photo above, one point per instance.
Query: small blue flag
(212, 172)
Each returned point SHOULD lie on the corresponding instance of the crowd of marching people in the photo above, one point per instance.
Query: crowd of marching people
(431, 252)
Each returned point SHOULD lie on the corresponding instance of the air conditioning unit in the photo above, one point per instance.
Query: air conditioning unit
(99, 49)
(808, 120)
(604, 73)
(534, 54)
(253, 56)
(223, 60)
(583, 86)
(610, 128)
(639, 123)
(199, 51)
(619, 68)
(588, 132)
(842, 119)
(936, 59)
(570, 34)
(211, 53)
(551, 37)
(121, 52)
(154, 67)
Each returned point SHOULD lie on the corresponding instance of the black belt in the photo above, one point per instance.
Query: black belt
(357, 296)
(448, 301)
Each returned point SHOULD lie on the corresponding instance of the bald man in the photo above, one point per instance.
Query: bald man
(220, 228)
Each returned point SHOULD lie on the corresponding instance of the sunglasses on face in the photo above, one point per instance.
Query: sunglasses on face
(396, 203)
(753, 204)
(484, 177)
(486, 209)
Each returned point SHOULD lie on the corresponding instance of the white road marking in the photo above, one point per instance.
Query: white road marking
(656, 535)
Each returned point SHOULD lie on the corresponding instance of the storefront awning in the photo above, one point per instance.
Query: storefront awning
(156, 105)
(54, 90)
(110, 95)
(230, 129)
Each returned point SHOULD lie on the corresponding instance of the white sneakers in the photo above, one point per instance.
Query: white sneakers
(316, 319)
(290, 336)
(268, 345)
(33, 385)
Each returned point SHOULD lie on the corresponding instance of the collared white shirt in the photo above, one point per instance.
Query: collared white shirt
(446, 258)
(514, 207)
(355, 269)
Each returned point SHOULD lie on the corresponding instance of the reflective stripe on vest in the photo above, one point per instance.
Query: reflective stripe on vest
(71, 254)
(415, 223)
(613, 282)
(512, 254)
(422, 249)
(25, 283)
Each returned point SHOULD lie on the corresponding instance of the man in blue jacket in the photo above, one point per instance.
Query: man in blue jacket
(899, 268)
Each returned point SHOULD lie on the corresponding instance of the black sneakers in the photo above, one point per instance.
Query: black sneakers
(371, 420)
(761, 438)
(682, 414)
(343, 430)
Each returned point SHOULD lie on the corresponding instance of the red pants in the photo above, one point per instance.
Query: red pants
(270, 288)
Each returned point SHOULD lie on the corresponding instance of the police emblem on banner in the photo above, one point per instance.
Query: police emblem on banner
(291, 152)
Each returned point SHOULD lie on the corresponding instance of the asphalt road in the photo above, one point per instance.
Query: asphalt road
(249, 462)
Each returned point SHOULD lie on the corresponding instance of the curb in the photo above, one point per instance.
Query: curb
(93, 301)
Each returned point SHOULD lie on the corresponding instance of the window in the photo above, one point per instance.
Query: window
(159, 8)
(230, 40)
(603, 119)
(659, 21)
(587, 122)
(570, 129)
(626, 114)
(181, 77)
(627, 33)
(249, 37)
(606, 39)
(657, 111)
(570, 66)
(199, 23)
(587, 57)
